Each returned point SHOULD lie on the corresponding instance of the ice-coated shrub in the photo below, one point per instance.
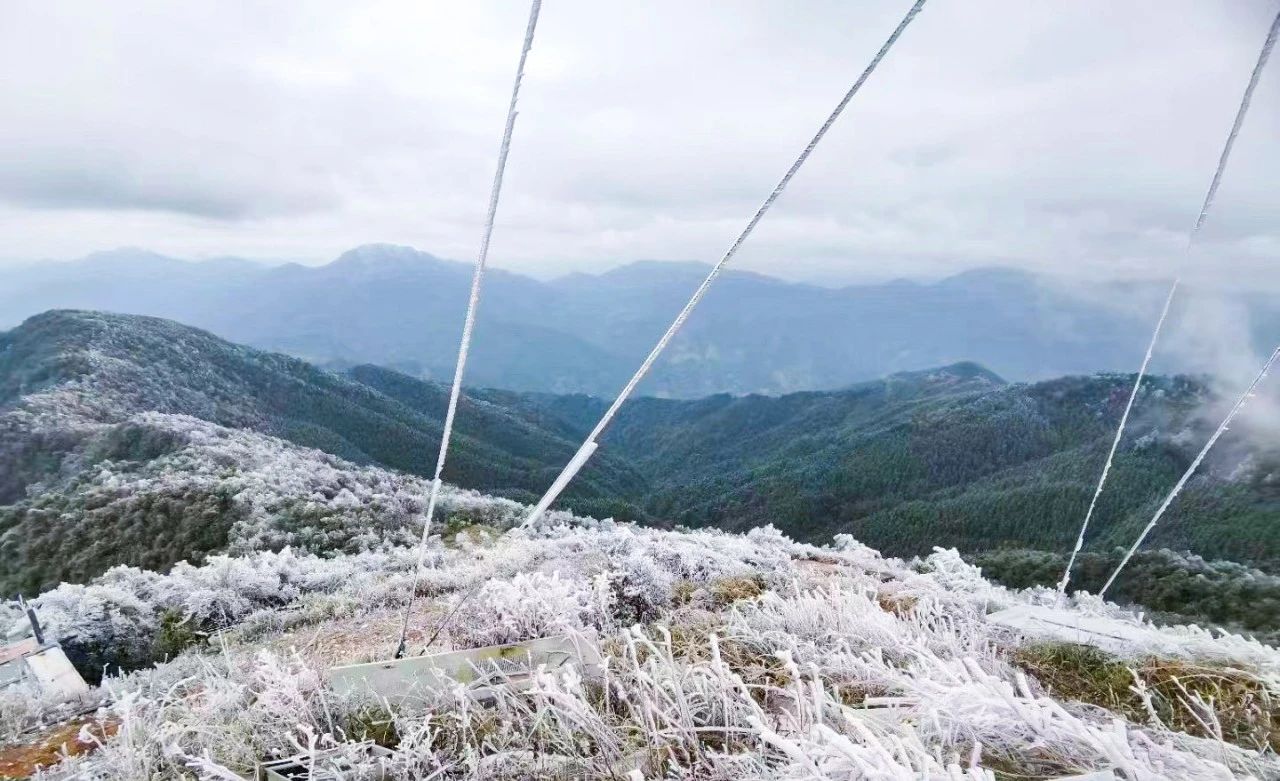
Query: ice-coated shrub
(474, 507)
(101, 626)
(840, 664)
(640, 588)
(24, 708)
(945, 574)
(530, 606)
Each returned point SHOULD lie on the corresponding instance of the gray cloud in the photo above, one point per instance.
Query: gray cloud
(1075, 137)
(93, 183)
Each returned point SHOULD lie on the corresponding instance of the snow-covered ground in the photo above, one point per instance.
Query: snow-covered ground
(725, 656)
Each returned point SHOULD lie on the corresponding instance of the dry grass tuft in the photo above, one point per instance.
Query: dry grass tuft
(459, 526)
(726, 591)
(682, 592)
(373, 723)
(898, 604)
(1207, 701)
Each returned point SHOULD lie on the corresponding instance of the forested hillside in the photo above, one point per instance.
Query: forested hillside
(137, 440)
(952, 457)
(111, 366)
(130, 433)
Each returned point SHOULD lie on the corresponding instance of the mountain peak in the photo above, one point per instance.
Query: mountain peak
(659, 267)
(991, 277)
(966, 375)
(129, 253)
(128, 258)
(386, 256)
(965, 370)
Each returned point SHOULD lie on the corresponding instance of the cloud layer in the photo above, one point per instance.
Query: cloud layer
(1070, 137)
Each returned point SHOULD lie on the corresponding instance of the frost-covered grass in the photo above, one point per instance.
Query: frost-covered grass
(725, 656)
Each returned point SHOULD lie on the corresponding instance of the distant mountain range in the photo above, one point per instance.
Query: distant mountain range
(400, 308)
(127, 439)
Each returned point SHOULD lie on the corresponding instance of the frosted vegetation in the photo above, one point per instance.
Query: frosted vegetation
(158, 488)
(94, 445)
(726, 656)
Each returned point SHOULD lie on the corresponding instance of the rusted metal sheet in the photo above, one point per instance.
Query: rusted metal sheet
(12, 651)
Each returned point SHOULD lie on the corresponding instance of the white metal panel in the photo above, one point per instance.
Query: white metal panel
(54, 673)
(1068, 626)
(419, 676)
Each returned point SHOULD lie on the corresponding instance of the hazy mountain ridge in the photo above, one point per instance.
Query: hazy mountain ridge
(397, 307)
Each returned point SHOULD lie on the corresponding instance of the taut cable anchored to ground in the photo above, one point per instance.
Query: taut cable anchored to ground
(1177, 489)
(473, 303)
(1247, 98)
(590, 444)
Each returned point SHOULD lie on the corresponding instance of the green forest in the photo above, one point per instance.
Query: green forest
(952, 458)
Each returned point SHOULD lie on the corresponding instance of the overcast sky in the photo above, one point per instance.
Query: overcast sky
(1070, 136)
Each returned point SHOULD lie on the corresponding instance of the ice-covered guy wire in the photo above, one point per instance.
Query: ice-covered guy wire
(1177, 489)
(473, 303)
(1258, 67)
(589, 445)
